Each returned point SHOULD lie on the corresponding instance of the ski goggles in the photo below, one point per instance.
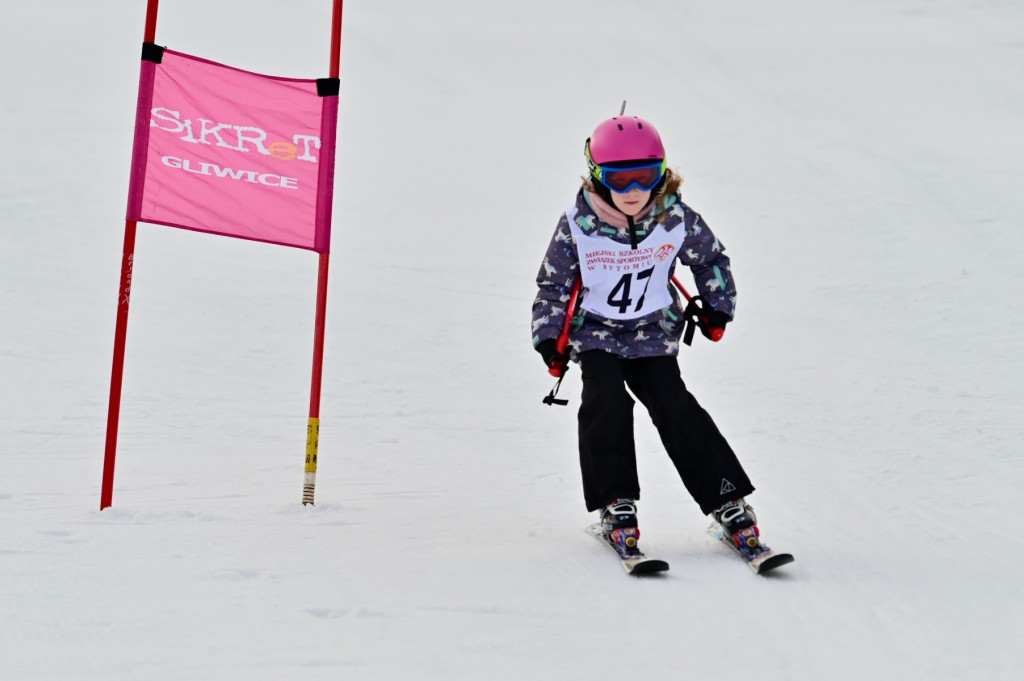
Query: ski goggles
(621, 180)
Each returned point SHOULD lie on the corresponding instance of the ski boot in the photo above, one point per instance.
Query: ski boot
(736, 526)
(618, 521)
(739, 522)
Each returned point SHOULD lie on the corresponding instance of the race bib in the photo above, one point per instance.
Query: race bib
(622, 282)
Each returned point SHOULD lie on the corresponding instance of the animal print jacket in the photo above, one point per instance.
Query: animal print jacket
(654, 334)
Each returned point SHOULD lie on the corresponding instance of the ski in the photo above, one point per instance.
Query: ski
(633, 560)
(760, 559)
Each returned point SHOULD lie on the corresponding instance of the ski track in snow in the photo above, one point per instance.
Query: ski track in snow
(861, 164)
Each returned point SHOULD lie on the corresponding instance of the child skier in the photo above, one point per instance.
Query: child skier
(622, 236)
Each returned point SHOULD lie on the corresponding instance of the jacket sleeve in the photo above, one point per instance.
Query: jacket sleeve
(705, 255)
(557, 275)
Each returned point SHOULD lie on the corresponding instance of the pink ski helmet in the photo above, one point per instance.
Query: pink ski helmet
(623, 141)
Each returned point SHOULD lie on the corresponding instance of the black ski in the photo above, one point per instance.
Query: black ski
(633, 560)
(759, 559)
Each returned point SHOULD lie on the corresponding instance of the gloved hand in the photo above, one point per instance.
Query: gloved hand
(548, 350)
(712, 323)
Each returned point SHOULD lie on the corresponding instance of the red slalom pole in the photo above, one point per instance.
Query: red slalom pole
(150, 32)
(117, 372)
(313, 424)
(336, 39)
(121, 325)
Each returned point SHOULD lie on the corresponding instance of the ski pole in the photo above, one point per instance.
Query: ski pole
(716, 334)
(557, 368)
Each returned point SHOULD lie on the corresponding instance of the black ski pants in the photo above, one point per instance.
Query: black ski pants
(707, 465)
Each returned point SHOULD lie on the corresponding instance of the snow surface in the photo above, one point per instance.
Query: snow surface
(861, 160)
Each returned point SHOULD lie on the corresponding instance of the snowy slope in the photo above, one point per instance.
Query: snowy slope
(862, 163)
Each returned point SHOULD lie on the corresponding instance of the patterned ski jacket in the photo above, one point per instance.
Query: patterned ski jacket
(627, 305)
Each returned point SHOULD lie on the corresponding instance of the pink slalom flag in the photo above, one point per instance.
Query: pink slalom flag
(231, 152)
